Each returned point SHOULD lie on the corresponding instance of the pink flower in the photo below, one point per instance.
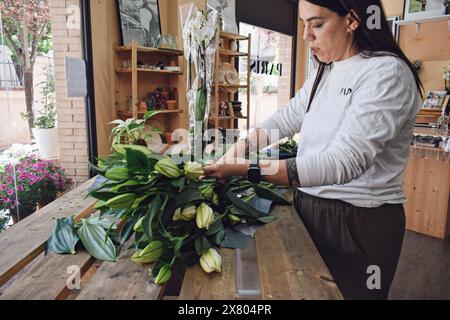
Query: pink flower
(10, 192)
(3, 187)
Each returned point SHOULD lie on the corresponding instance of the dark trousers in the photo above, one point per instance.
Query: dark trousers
(360, 246)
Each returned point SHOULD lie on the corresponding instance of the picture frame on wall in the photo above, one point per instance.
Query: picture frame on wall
(392, 22)
(435, 100)
(139, 22)
(228, 9)
(417, 9)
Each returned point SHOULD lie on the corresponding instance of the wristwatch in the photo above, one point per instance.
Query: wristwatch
(254, 170)
(254, 173)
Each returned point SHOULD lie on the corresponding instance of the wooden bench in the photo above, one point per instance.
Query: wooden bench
(288, 264)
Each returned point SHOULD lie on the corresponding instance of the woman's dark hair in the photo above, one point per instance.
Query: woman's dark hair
(373, 42)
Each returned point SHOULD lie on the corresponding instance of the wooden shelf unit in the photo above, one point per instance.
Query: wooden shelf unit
(132, 82)
(129, 114)
(419, 21)
(129, 48)
(224, 91)
(130, 70)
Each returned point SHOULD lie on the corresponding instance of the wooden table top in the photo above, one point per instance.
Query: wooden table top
(287, 263)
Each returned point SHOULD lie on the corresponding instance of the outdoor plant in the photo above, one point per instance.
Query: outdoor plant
(46, 116)
(27, 30)
(30, 182)
(132, 130)
(163, 212)
(19, 151)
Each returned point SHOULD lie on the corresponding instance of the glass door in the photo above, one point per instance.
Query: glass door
(271, 73)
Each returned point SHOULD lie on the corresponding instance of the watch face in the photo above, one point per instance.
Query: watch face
(254, 175)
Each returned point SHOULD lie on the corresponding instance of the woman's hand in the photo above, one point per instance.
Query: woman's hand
(223, 170)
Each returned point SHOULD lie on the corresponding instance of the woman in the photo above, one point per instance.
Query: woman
(355, 116)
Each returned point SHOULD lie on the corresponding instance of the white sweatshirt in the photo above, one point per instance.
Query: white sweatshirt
(355, 139)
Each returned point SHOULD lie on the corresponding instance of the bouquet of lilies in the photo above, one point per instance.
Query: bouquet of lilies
(162, 211)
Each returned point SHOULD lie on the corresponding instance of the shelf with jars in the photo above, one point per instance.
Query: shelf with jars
(147, 79)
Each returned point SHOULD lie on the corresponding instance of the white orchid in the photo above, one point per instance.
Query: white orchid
(201, 30)
(199, 35)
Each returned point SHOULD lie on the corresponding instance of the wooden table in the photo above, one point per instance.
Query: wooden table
(288, 263)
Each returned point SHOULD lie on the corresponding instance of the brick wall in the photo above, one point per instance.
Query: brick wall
(66, 32)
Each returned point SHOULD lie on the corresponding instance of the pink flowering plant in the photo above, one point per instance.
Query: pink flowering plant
(37, 181)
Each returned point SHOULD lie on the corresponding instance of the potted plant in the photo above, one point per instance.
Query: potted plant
(45, 131)
(30, 183)
(133, 131)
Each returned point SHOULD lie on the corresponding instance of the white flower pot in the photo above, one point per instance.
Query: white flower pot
(47, 142)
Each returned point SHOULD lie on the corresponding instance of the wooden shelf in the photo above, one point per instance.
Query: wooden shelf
(167, 52)
(129, 114)
(232, 36)
(418, 21)
(231, 53)
(128, 70)
(421, 20)
(222, 118)
(226, 117)
(430, 111)
(226, 85)
(224, 91)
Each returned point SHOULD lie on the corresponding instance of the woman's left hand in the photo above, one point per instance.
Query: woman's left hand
(221, 170)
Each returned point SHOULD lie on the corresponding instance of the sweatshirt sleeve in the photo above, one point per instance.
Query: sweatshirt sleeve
(379, 110)
(288, 121)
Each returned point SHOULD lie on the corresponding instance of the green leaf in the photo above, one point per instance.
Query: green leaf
(178, 243)
(188, 195)
(103, 195)
(150, 114)
(178, 183)
(215, 226)
(244, 206)
(138, 238)
(127, 230)
(131, 184)
(219, 236)
(63, 238)
(154, 208)
(163, 260)
(200, 104)
(117, 122)
(267, 193)
(267, 219)
(201, 245)
(97, 169)
(137, 161)
(121, 148)
(93, 238)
